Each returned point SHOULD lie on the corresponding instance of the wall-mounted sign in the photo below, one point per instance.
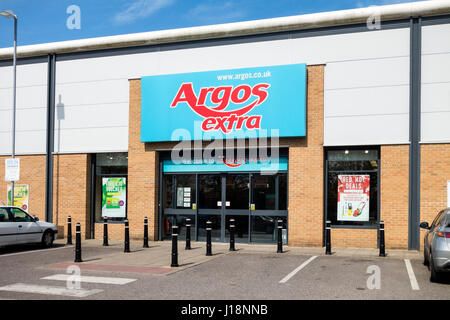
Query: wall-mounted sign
(21, 196)
(12, 169)
(227, 165)
(114, 198)
(224, 102)
(353, 197)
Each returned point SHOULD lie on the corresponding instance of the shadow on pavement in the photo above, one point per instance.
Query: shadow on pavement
(25, 248)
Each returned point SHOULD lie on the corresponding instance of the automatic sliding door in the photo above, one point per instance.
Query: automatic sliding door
(269, 204)
(210, 205)
(237, 206)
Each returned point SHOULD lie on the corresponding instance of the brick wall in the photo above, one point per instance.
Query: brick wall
(434, 174)
(394, 194)
(306, 169)
(70, 188)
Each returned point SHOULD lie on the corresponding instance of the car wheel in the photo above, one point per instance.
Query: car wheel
(435, 276)
(47, 239)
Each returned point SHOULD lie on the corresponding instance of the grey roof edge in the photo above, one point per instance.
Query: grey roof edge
(298, 22)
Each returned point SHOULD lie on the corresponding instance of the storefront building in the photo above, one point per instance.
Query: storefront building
(172, 125)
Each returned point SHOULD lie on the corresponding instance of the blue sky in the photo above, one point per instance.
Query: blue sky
(42, 21)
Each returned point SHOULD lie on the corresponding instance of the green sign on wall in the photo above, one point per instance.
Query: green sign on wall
(114, 198)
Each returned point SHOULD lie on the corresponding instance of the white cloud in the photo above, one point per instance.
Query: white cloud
(140, 9)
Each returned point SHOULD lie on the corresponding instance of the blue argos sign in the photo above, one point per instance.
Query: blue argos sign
(250, 102)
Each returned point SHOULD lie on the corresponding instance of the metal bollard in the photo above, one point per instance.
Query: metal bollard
(174, 246)
(232, 226)
(145, 232)
(280, 239)
(78, 243)
(188, 234)
(127, 237)
(105, 231)
(208, 238)
(382, 245)
(328, 238)
(69, 230)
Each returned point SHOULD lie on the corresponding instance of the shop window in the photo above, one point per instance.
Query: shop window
(111, 171)
(184, 191)
(264, 192)
(282, 191)
(352, 187)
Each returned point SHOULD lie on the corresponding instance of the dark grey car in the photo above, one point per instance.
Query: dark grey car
(436, 248)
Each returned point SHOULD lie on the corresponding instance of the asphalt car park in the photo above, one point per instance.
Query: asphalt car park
(252, 272)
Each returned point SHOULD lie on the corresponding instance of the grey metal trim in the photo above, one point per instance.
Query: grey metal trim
(307, 33)
(430, 21)
(160, 221)
(92, 197)
(179, 211)
(50, 137)
(414, 134)
(278, 213)
(336, 226)
(24, 61)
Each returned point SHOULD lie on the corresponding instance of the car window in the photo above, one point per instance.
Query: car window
(20, 216)
(437, 219)
(4, 215)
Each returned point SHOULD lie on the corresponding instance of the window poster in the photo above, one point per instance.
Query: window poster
(21, 196)
(353, 197)
(114, 198)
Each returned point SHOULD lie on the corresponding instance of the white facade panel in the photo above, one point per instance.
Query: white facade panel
(436, 67)
(92, 116)
(435, 97)
(371, 96)
(366, 130)
(366, 101)
(367, 73)
(435, 127)
(435, 93)
(31, 104)
(435, 38)
(91, 140)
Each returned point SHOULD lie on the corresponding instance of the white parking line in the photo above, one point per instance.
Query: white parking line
(58, 291)
(32, 251)
(90, 279)
(304, 264)
(412, 277)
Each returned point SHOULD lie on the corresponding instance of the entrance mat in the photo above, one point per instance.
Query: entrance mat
(117, 268)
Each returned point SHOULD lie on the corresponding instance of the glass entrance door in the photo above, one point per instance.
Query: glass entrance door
(255, 202)
(237, 195)
(210, 200)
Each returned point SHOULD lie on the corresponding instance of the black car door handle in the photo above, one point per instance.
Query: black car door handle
(20, 226)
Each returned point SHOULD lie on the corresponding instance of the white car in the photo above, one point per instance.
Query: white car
(18, 227)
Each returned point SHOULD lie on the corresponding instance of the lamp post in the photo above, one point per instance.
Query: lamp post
(10, 14)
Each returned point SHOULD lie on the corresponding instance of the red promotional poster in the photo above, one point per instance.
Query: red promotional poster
(353, 197)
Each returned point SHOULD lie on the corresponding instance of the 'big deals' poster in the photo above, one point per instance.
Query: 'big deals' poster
(353, 197)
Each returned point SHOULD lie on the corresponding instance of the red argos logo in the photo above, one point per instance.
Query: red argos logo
(217, 117)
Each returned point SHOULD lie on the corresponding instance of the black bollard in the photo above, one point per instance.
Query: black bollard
(280, 238)
(174, 246)
(328, 238)
(145, 232)
(382, 245)
(69, 230)
(78, 243)
(232, 226)
(208, 238)
(127, 237)
(105, 231)
(188, 234)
